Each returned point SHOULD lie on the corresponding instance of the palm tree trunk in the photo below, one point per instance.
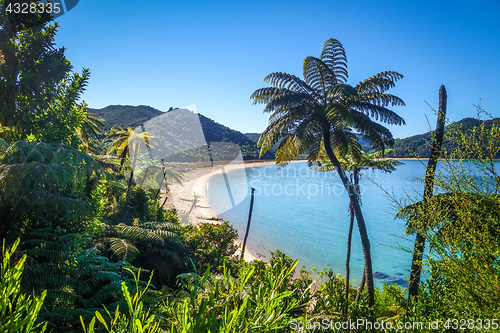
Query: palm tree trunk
(132, 172)
(361, 287)
(123, 156)
(348, 258)
(353, 196)
(418, 252)
(349, 241)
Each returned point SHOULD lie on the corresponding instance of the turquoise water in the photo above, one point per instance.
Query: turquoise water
(305, 214)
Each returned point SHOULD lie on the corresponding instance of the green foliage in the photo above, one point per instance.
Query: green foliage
(461, 223)
(420, 145)
(18, 311)
(89, 132)
(154, 245)
(321, 112)
(137, 320)
(76, 279)
(211, 246)
(50, 195)
(38, 91)
(260, 299)
(45, 185)
(136, 205)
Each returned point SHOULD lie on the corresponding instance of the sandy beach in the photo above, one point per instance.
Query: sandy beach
(190, 197)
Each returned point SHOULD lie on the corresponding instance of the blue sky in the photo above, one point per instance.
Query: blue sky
(215, 54)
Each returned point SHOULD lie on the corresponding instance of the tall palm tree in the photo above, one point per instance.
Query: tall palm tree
(323, 110)
(354, 163)
(90, 130)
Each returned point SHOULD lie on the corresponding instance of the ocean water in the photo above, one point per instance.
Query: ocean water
(305, 214)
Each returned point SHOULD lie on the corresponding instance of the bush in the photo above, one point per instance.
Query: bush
(211, 246)
(18, 311)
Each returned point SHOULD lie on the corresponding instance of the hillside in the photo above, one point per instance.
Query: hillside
(125, 115)
(253, 136)
(421, 144)
(159, 122)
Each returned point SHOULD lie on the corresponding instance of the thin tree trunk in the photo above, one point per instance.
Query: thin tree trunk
(361, 287)
(416, 264)
(123, 156)
(353, 196)
(349, 241)
(132, 172)
(164, 179)
(348, 258)
(248, 226)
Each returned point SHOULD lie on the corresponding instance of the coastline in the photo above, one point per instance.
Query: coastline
(194, 186)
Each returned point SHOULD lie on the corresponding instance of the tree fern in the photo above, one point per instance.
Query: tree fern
(323, 110)
(150, 245)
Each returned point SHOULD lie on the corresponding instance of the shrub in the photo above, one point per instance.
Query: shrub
(18, 311)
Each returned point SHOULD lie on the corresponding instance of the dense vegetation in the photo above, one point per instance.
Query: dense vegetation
(87, 249)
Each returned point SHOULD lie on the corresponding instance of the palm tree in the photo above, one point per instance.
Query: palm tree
(161, 175)
(354, 163)
(323, 110)
(90, 130)
(118, 135)
(127, 141)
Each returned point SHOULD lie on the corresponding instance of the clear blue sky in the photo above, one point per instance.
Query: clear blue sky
(215, 54)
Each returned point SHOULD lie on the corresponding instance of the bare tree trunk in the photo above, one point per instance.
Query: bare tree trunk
(132, 172)
(416, 264)
(353, 196)
(348, 258)
(361, 287)
(248, 226)
(349, 241)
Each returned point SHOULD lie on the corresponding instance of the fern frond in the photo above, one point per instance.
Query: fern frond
(333, 55)
(123, 249)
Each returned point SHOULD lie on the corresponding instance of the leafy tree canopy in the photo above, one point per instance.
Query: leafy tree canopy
(38, 90)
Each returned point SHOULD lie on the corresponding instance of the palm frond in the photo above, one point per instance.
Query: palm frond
(380, 82)
(333, 55)
(289, 82)
(318, 75)
(123, 249)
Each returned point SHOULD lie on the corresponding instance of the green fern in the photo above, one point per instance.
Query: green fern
(150, 245)
(45, 185)
(123, 249)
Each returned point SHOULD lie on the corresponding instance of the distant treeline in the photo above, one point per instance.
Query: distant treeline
(420, 145)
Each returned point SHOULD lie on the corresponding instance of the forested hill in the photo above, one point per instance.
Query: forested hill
(421, 144)
(125, 115)
(133, 116)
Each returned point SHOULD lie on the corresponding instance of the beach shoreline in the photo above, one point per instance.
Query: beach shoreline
(190, 198)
